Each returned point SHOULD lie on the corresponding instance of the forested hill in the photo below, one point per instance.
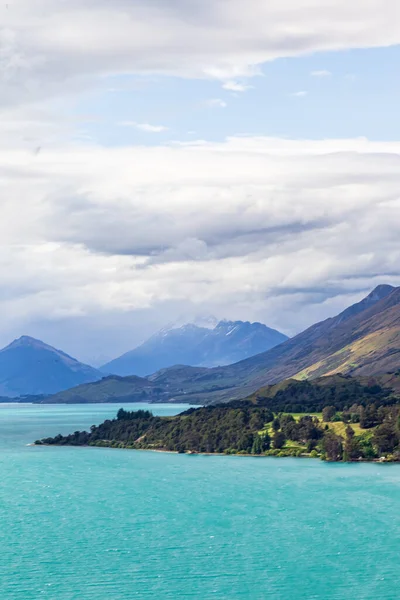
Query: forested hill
(341, 391)
(348, 421)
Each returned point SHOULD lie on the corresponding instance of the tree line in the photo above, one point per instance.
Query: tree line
(246, 428)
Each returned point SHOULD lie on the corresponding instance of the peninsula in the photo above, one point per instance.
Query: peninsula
(336, 418)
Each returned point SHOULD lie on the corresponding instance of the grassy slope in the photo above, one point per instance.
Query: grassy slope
(367, 343)
(338, 427)
(381, 348)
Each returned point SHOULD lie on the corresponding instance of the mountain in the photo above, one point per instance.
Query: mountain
(164, 349)
(232, 341)
(228, 342)
(31, 367)
(363, 340)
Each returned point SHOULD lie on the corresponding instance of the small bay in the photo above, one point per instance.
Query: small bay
(102, 524)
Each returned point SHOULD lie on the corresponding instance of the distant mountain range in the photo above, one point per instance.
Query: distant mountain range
(228, 342)
(29, 367)
(363, 340)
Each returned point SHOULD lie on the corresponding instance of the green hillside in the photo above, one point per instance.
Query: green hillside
(340, 418)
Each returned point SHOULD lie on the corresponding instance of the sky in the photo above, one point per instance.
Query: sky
(163, 161)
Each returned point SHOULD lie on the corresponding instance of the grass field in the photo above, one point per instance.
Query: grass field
(338, 427)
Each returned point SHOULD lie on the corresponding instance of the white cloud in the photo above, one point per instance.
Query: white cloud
(144, 126)
(235, 86)
(50, 47)
(249, 228)
(216, 103)
(253, 228)
(320, 74)
(300, 94)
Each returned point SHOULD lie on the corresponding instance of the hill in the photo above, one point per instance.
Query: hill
(111, 389)
(228, 342)
(29, 367)
(340, 391)
(359, 421)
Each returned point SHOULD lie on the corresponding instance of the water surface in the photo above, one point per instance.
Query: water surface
(102, 524)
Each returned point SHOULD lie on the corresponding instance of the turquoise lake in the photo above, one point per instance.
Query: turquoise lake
(101, 524)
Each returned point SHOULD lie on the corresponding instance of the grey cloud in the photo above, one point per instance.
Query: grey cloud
(165, 237)
(198, 222)
(255, 229)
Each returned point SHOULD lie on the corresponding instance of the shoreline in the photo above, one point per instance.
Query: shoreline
(195, 453)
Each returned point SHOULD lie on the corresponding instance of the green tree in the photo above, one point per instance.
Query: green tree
(328, 413)
(352, 449)
(279, 440)
(265, 442)
(257, 445)
(385, 438)
(366, 447)
(332, 446)
(246, 443)
(369, 417)
(276, 425)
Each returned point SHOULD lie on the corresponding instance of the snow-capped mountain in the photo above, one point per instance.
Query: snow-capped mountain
(226, 343)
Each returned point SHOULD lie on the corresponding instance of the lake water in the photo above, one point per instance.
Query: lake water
(101, 524)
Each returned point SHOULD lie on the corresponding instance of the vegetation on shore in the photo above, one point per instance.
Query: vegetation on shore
(334, 422)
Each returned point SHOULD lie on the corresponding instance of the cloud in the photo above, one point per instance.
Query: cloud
(235, 86)
(277, 230)
(300, 94)
(320, 74)
(49, 47)
(216, 103)
(252, 228)
(144, 126)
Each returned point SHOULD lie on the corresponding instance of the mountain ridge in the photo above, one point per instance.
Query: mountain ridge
(364, 339)
(192, 345)
(290, 358)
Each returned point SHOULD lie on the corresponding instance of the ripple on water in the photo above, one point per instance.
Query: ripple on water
(105, 524)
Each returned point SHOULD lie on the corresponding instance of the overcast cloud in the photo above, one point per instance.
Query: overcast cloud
(121, 240)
